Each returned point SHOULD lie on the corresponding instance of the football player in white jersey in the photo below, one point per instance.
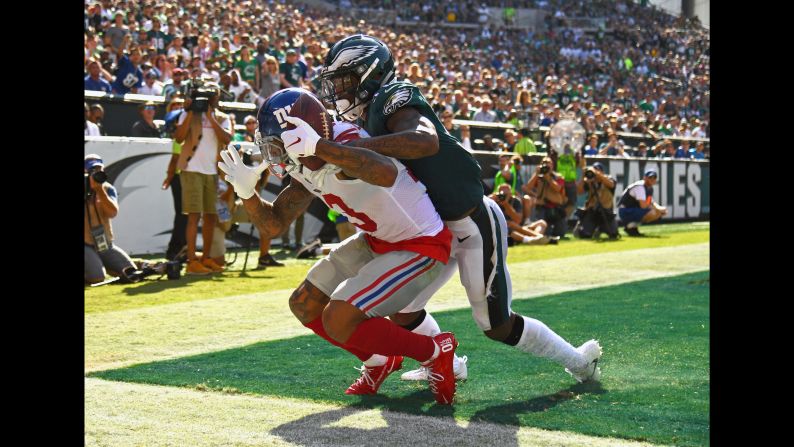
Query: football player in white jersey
(401, 250)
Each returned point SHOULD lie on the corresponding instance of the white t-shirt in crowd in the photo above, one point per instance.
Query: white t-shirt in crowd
(205, 158)
(155, 90)
(92, 129)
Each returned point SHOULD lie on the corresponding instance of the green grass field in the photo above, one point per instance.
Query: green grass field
(226, 343)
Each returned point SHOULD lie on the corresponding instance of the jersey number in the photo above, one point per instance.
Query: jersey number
(360, 220)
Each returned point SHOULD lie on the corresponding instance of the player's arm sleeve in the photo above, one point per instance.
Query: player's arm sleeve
(358, 162)
(408, 134)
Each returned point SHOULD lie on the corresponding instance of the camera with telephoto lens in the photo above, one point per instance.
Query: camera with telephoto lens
(589, 174)
(98, 176)
(501, 196)
(200, 93)
(543, 170)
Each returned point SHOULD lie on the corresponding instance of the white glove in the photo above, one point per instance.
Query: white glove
(300, 141)
(242, 178)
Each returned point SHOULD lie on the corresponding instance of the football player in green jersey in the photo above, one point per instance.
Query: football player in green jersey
(358, 83)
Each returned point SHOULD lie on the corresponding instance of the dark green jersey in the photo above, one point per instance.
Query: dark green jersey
(452, 175)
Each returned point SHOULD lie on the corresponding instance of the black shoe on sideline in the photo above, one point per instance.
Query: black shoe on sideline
(269, 261)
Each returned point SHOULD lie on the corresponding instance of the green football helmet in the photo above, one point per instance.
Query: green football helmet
(355, 68)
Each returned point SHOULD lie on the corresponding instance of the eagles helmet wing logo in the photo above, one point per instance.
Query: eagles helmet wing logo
(350, 56)
(397, 100)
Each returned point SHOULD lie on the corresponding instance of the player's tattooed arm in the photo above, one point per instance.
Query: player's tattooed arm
(271, 219)
(360, 163)
(412, 136)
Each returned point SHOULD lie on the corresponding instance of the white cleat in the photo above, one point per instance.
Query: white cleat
(591, 353)
(460, 368)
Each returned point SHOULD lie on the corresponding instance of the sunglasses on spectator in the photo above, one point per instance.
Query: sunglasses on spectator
(149, 108)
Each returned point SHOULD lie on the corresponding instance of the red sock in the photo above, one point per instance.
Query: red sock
(317, 326)
(386, 338)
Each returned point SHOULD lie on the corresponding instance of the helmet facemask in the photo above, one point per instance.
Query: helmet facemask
(279, 161)
(350, 84)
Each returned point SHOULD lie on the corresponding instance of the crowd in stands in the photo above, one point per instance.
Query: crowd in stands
(644, 71)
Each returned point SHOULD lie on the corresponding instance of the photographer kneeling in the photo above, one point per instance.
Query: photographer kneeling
(548, 187)
(100, 206)
(527, 234)
(598, 214)
(637, 205)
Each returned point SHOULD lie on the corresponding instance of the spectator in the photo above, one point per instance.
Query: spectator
(683, 150)
(202, 136)
(548, 189)
(248, 68)
(93, 81)
(151, 85)
(525, 145)
(129, 76)
(510, 140)
(642, 150)
(592, 146)
(598, 214)
(611, 147)
(101, 205)
(157, 38)
(241, 90)
(177, 50)
(91, 129)
(507, 174)
(175, 85)
(145, 127)
(453, 129)
(699, 152)
(271, 80)
(117, 32)
(486, 114)
(96, 114)
(636, 205)
(250, 129)
(290, 73)
(463, 112)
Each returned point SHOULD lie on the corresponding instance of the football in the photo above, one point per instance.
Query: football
(309, 108)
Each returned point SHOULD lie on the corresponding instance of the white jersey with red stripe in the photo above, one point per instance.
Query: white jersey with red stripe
(393, 217)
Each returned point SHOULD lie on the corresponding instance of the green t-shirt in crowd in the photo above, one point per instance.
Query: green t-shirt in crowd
(247, 70)
(525, 146)
(292, 72)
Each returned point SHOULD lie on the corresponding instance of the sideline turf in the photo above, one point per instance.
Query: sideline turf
(114, 297)
(655, 369)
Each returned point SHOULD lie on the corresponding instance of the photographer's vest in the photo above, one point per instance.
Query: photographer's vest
(193, 136)
(598, 193)
(628, 201)
(95, 218)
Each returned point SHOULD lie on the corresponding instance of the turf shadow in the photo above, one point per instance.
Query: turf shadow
(405, 428)
(155, 286)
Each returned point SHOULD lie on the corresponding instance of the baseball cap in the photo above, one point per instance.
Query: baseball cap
(650, 173)
(291, 51)
(598, 165)
(92, 160)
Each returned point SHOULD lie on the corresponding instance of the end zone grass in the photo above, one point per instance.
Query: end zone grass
(655, 368)
(190, 288)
